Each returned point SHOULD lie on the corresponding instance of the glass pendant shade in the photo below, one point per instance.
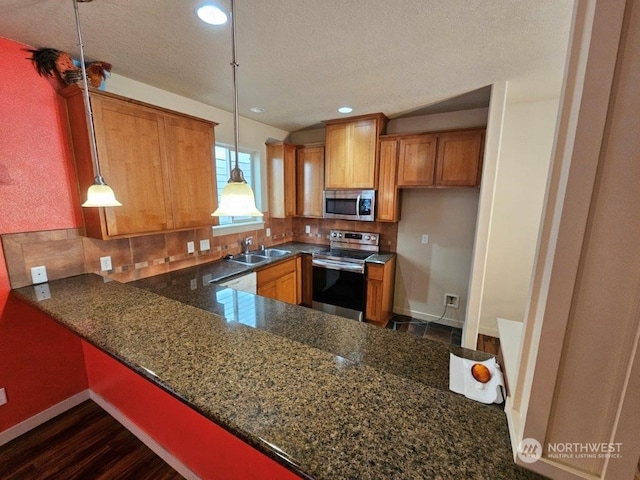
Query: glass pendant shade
(100, 195)
(237, 200)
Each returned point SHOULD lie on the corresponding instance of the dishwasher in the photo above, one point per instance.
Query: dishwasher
(245, 283)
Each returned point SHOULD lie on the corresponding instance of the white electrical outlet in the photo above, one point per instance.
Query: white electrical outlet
(105, 264)
(307, 229)
(3, 396)
(451, 300)
(268, 232)
(39, 274)
(191, 247)
(205, 245)
(425, 239)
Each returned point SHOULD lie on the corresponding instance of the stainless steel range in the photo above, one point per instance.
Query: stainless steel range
(339, 285)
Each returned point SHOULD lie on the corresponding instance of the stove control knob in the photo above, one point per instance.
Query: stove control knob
(367, 237)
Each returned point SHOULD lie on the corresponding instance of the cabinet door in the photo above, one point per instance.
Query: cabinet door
(281, 180)
(363, 140)
(459, 159)
(417, 160)
(337, 162)
(268, 290)
(286, 288)
(387, 207)
(190, 166)
(289, 180)
(131, 149)
(310, 181)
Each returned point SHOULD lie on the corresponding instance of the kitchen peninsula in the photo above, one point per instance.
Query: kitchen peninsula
(323, 396)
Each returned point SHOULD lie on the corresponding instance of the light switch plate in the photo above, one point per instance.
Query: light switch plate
(39, 274)
(268, 232)
(191, 247)
(205, 245)
(307, 229)
(105, 264)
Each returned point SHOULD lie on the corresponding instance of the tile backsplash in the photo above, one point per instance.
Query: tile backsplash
(68, 252)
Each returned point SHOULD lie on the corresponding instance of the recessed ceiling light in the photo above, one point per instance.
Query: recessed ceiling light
(257, 109)
(212, 15)
(345, 109)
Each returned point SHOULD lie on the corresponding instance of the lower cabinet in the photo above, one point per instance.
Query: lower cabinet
(280, 281)
(380, 281)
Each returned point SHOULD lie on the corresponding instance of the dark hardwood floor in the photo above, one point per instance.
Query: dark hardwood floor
(83, 443)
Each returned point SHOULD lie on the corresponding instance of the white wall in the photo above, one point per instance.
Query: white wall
(252, 134)
(424, 273)
(521, 179)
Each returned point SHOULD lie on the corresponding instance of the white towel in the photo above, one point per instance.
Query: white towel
(461, 380)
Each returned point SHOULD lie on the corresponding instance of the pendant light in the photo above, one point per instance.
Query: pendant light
(237, 198)
(99, 194)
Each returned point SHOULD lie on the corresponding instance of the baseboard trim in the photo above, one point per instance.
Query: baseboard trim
(43, 417)
(427, 317)
(145, 438)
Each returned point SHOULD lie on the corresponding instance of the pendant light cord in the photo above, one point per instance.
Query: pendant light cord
(236, 173)
(89, 113)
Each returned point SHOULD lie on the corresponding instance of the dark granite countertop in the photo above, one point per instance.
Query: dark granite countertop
(329, 398)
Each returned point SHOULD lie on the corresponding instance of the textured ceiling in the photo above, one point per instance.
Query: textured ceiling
(302, 59)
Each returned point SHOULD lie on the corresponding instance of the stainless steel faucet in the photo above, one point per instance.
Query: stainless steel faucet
(246, 243)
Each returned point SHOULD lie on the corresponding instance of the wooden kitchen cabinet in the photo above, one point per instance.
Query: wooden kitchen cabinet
(380, 285)
(310, 180)
(443, 159)
(388, 201)
(417, 160)
(459, 160)
(279, 281)
(306, 279)
(159, 163)
(351, 159)
(281, 179)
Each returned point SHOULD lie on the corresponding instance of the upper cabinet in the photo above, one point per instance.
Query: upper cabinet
(159, 163)
(388, 201)
(351, 159)
(445, 159)
(417, 160)
(459, 160)
(310, 180)
(281, 175)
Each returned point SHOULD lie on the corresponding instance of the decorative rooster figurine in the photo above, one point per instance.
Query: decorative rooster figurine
(49, 60)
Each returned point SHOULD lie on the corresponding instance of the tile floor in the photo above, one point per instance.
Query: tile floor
(424, 329)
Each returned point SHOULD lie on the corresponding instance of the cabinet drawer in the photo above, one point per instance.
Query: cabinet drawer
(375, 272)
(273, 272)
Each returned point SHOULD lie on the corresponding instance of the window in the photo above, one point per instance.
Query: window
(225, 161)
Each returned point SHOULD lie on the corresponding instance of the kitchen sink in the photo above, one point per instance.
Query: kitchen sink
(271, 252)
(248, 258)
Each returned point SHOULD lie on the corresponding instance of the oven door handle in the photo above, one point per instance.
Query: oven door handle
(351, 267)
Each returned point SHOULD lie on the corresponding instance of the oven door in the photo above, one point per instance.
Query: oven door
(339, 289)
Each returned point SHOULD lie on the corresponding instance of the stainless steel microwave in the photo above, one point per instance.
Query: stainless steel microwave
(350, 204)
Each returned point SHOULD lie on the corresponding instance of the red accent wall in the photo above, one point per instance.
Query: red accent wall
(41, 363)
(37, 192)
(207, 449)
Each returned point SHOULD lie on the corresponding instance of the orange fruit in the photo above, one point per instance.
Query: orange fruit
(480, 372)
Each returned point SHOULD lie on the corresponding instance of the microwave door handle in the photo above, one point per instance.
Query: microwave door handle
(358, 206)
